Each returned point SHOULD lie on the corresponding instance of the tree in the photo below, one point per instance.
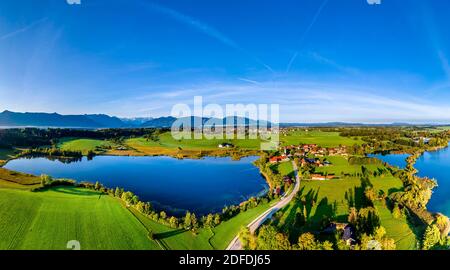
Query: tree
(127, 196)
(396, 212)
(173, 221)
(209, 221)
(187, 221)
(431, 237)
(443, 224)
(269, 239)
(353, 216)
(216, 219)
(97, 186)
(118, 192)
(46, 180)
(194, 222)
(162, 215)
(307, 241)
(247, 239)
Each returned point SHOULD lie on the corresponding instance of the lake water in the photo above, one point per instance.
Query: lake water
(433, 165)
(398, 160)
(201, 186)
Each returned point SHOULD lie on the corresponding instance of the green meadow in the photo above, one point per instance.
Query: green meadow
(324, 139)
(164, 144)
(284, 168)
(332, 198)
(340, 165)
(49, 219)
(166, 140)
(216, 238)
(6, 154)
(83, 145)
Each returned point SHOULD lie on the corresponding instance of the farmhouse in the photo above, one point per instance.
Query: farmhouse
(322, 177)
(277, 159)
(226, 145)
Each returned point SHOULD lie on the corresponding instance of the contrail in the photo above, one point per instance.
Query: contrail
(21, 30)
(208, 30)
(302, 38)
(204, 28)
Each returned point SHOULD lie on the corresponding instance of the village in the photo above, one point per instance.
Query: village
(309, 156)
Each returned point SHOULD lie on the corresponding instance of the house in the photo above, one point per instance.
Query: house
(288, 180)
(317, 176)
(277, 191)
(226, 145)
(349, 235)
(277, 159)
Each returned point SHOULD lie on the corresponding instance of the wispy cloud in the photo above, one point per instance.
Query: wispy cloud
(444, 63)
(21, 30)
(306, 101)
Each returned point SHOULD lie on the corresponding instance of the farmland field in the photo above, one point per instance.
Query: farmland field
(49, 219)
(164, 144)
(324, 139)
(6, 153)
(284, 168)
(207, 239)
(83, 145)
(340, 165)
(333, 198)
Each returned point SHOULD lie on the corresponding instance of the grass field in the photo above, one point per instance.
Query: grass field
(165, 145)
(206, 239)
(398, 229)
(284, 168)
(16, 180)
(330, 200)
(340, 165)
(83, 145)
(324, 139)
(49, 219)
(6, 154)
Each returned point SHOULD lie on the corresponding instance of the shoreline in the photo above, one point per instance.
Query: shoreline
(260, 194)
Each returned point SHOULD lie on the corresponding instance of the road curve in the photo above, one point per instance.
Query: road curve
(256, 223)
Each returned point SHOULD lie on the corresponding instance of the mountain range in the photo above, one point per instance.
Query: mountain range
(94, 121)
(31, 119)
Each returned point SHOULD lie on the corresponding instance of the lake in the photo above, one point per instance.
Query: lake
(433, 165)
(174, 185)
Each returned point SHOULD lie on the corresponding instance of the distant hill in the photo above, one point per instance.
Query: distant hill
(12, 119)
(29, 119)
(135, 121)
(104, 120)
(159, 122)
(194, 121)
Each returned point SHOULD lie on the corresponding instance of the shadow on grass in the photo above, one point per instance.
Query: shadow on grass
(72, 191)
(163, 235)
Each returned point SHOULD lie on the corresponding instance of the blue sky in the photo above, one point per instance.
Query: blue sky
(321, 60)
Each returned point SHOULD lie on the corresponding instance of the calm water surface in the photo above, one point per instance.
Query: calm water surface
(201, 186)
(433, 165)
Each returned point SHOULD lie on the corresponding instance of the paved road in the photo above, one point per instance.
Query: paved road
(255, 224)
